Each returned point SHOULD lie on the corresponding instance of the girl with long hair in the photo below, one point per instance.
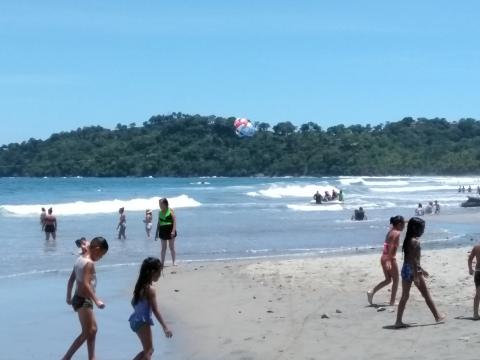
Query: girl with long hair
(412, 272)
(144, 303)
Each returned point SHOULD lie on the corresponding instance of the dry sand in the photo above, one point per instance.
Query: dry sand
(316, 308)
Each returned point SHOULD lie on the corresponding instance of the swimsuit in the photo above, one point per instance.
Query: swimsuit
(142, 315)
(386, 252)
(165, 225)
(81, 302)
(407, 272)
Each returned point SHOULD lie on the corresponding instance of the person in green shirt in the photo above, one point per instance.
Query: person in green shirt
(166, 229)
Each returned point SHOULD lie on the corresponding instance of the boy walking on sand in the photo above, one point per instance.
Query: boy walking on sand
(475, 253)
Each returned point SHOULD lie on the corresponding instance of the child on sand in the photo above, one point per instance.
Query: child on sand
(144, 303)
(413, 272)
(82, 302)
(475, 254)
(388, 259)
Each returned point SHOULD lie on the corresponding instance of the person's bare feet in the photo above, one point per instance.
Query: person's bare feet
(440, 318)
(400, 325)
(370, 297)
(476, 317)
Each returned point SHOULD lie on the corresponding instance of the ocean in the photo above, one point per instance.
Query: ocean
(218, 219)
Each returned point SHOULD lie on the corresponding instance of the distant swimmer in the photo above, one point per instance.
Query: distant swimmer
(436, 207)
(463, 189)
(166, 229)
(478, 190)
(334, 194)
(43, 214)
(122, 223)
(340, 195)
(317, 197)
(148, 222)
(429, 208)
(359, 214)
(50, 225)
(389, 260)
(469, 189)
(419, 210)
(459, 189)
(327, 196)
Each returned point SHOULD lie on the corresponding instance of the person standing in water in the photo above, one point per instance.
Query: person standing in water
(388, 259)
(50, 225)
(317, 197)
(148, 222)
(122, 224)
(413, 272)
(43, 214)
(166, 229)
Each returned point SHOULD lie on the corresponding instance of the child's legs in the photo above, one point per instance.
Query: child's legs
(164, 251)
(422, 287)
(406, 285)
(171, 245)
(383, 283)
(395, 279)
(87, 327)
(47, 235)
(54, 235)
(145, 336)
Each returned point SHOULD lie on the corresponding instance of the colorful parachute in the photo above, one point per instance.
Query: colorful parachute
(244, 128)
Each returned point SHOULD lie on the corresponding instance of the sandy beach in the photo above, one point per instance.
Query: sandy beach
(316, 308)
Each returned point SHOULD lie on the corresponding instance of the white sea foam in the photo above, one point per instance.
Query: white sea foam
(386, 183)
(297, 207)
(412, 189)
(100, 207)
(278, 192)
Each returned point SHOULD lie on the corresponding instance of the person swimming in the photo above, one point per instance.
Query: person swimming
(359, 214)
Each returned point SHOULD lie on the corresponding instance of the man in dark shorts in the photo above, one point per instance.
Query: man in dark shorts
(50, 225)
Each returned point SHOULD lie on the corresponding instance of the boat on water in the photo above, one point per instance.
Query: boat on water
(331, 202)
(471, 202)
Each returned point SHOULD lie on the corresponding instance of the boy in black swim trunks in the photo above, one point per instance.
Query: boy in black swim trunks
(84, 276)
(475, 253)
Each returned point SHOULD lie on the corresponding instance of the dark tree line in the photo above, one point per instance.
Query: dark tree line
(193, 145)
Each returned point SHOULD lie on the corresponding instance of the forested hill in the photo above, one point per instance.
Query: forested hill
(193, 145)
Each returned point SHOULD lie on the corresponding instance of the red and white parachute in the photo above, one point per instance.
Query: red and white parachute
(244, 128)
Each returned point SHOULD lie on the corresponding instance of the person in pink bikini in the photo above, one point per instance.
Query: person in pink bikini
(388, 259)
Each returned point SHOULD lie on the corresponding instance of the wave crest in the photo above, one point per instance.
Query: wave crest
(100, 207)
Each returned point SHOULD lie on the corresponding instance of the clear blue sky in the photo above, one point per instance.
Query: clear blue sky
(66, 64)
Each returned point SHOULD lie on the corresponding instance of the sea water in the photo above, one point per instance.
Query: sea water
(217, 219)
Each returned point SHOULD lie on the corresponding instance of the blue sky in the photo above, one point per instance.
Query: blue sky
(67, 64)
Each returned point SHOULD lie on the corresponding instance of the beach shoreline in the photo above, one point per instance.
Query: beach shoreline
(315, 308)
